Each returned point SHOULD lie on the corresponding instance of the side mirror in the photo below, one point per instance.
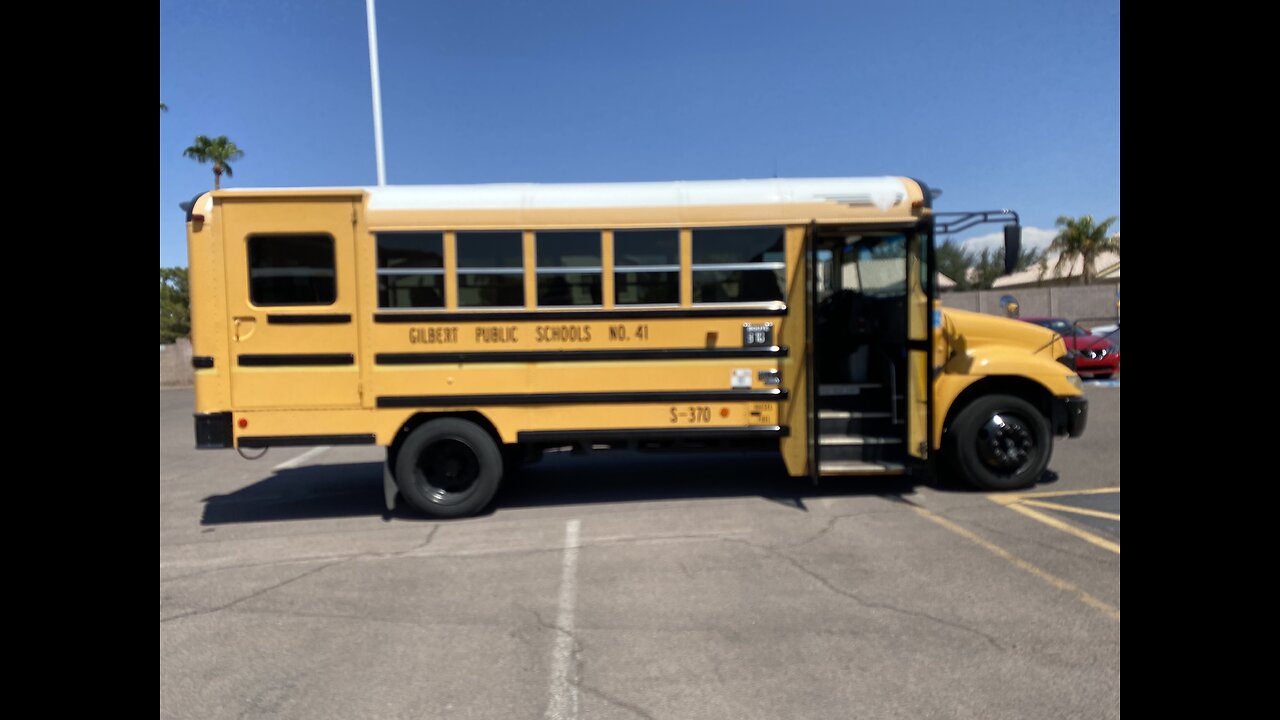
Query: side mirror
(1012, 247)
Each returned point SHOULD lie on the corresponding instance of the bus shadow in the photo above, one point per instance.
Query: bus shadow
(355, 489)
(622, 476)
(314, 491)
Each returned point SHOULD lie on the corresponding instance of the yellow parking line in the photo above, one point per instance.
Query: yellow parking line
(1070, 509)
(1064, 527)
(1093, 602)
(1006, 498)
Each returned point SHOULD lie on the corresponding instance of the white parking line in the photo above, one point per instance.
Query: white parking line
(563, 704)
(295, 462)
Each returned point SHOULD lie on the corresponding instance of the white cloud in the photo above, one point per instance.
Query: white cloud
(1032, 238)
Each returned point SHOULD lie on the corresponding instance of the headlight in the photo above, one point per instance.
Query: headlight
(1075, 380)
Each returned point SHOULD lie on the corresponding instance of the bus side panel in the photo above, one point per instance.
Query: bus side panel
(366, 289)
(795, 335)
(207, 281)
(298, 347)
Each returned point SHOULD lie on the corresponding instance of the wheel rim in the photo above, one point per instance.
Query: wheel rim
(1006, 443)
(448, 470)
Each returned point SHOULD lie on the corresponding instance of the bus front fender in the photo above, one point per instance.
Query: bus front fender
(1037, 379)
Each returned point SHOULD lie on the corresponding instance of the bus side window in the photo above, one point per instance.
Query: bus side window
(491, 269)
(410, 270)
(738, 265)
(646, 267)
(569, 268)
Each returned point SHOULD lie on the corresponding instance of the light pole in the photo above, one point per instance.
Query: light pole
(377, 93)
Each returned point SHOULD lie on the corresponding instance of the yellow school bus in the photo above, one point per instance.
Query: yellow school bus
(470, 328)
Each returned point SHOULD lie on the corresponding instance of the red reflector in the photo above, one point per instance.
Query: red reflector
(724, 412)
(196, 217)
(244, 423)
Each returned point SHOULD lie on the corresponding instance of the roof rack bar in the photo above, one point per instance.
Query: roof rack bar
(966, 220)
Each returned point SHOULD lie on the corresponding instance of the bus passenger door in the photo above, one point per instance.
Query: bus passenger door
(811, 350)
(918, 309)
(291, 297)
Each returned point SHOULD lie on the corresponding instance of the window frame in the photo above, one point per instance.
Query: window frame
(249, 268)
(540, 271)
(649, 269)
(459, 270)
(411, 271)
(775, 266)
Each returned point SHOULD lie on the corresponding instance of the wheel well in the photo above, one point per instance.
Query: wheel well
(1023, 388)
(393, 450)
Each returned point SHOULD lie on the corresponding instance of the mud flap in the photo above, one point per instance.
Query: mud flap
(389, 487)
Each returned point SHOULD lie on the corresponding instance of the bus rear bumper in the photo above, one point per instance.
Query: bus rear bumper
(1070, 415)
(213, 431)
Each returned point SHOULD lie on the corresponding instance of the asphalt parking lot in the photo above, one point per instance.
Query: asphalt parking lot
(636, 586)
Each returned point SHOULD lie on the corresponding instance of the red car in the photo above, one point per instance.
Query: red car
(1096, 356)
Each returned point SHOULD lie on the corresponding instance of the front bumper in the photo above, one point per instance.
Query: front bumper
(1070, 415)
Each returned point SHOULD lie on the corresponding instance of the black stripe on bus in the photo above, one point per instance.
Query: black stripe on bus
(549, 315)
(577, 355)
(310, 319)
(698, 433)
(581, 398)
(201, 361)
(282, 359)
(261, 441)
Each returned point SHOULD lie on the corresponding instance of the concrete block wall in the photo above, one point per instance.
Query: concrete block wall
(175, 364)
(1096, 303)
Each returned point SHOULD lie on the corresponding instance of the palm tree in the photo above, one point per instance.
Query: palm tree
(217, 150)
(1082, 238)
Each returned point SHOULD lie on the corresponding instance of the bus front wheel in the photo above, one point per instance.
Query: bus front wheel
(449, 468)
(1000, 442)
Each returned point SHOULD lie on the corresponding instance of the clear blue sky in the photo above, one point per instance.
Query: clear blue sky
(1001, 104)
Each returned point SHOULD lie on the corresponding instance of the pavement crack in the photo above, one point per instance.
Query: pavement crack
(269, 563)
(601, 542)
(252, 595)
(364, 556)
(422, 546)
(801, 567)
(596, 692)
(553, 627)
(831, 523)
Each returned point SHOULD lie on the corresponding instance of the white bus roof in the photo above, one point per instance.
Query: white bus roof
(880, 192)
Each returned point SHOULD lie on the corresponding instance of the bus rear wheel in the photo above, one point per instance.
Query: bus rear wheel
(1000, 442)
(449, 468)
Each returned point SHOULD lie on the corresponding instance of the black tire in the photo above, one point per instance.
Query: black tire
(1000, 442)
(449, 468)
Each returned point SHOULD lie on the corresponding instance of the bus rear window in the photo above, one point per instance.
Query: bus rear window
(291, 270)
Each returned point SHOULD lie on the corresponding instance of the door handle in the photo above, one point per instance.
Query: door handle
(243, 326)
